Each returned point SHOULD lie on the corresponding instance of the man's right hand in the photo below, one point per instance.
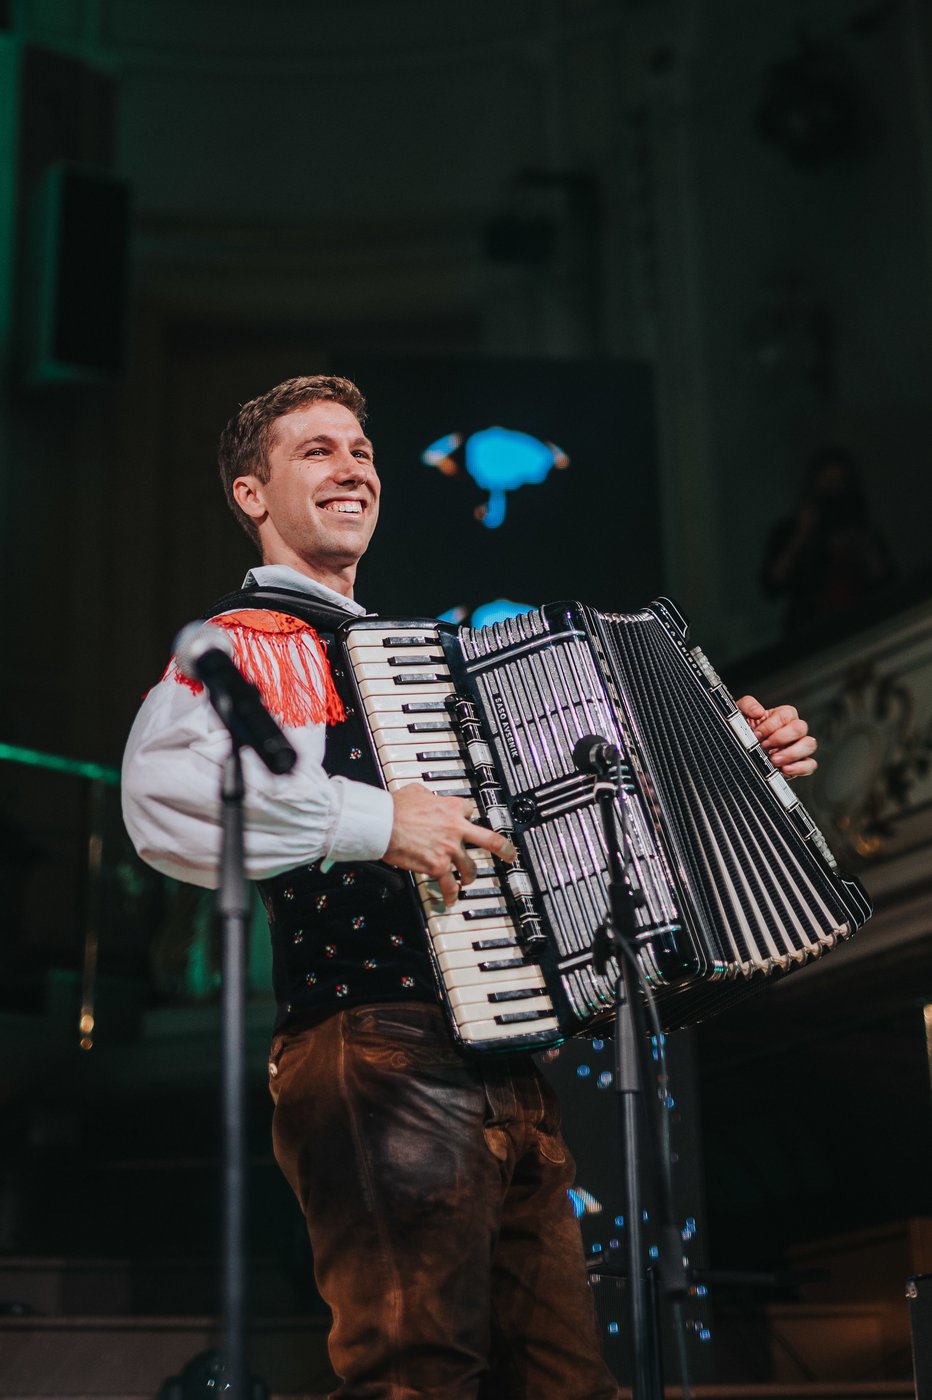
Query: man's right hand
(430, 835)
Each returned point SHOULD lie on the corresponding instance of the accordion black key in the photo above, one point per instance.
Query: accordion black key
(733, 881)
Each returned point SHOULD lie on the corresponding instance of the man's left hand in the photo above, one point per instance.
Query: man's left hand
(783, 735)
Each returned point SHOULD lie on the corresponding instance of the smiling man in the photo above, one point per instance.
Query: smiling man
(434, 1183)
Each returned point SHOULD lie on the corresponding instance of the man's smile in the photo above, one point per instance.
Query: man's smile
(345, 505)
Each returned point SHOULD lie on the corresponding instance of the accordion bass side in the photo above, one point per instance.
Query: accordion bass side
(733, 880)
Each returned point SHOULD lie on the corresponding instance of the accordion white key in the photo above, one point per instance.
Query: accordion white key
(733, 881)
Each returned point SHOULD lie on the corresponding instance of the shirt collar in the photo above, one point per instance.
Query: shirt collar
(283, 576)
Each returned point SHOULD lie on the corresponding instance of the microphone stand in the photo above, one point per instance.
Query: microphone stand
(205, 654)
(233, 909)
(617, 937)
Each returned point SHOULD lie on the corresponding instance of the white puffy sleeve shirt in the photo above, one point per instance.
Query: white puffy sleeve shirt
(172, 769)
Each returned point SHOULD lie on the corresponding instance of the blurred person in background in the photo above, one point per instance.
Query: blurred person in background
(826, 558)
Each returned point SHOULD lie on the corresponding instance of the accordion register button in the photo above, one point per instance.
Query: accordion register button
(743, 730)
(524, 810)
(783, 790)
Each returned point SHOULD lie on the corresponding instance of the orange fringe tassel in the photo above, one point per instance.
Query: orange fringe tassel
(289, 677)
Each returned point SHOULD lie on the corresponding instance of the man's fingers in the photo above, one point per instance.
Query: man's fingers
(783, 735)
(430, 835)
(750, 707)
(492, 841)
(787, 734)
(465, 865)
(784, 717)
(801, 769)
(790, 752)
(796, 761)
(448, 886)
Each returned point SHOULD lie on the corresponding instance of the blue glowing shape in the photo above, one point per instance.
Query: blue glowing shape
(583, 1202)
(613, 1329)
(583, 1071)
(499, 460)
(456, 614)
(605, 1079)
(444, 447)
(487, 613)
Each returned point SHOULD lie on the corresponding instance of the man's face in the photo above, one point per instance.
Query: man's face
(318, 509)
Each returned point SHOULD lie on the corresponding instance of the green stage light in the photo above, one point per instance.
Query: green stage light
(33, 758)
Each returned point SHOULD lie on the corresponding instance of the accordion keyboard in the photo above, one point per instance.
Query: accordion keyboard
(494, 990)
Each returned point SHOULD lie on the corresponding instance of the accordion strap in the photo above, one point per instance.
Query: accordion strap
(323, 617)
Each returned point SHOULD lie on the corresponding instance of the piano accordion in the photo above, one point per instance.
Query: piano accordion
(733, 881)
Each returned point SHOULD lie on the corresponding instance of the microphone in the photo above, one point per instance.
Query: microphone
(593, 754)
(204, 653)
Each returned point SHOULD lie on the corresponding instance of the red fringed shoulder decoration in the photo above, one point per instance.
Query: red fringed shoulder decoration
(285, 659)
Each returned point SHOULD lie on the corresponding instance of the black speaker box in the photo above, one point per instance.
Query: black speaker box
(75, 263)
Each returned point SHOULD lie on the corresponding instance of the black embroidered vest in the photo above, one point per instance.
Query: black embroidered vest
(352, 934)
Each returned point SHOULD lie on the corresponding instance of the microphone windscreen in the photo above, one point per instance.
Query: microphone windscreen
(585, 751)
(194, 641)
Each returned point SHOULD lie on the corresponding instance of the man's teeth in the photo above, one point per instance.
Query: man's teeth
(345, 507)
